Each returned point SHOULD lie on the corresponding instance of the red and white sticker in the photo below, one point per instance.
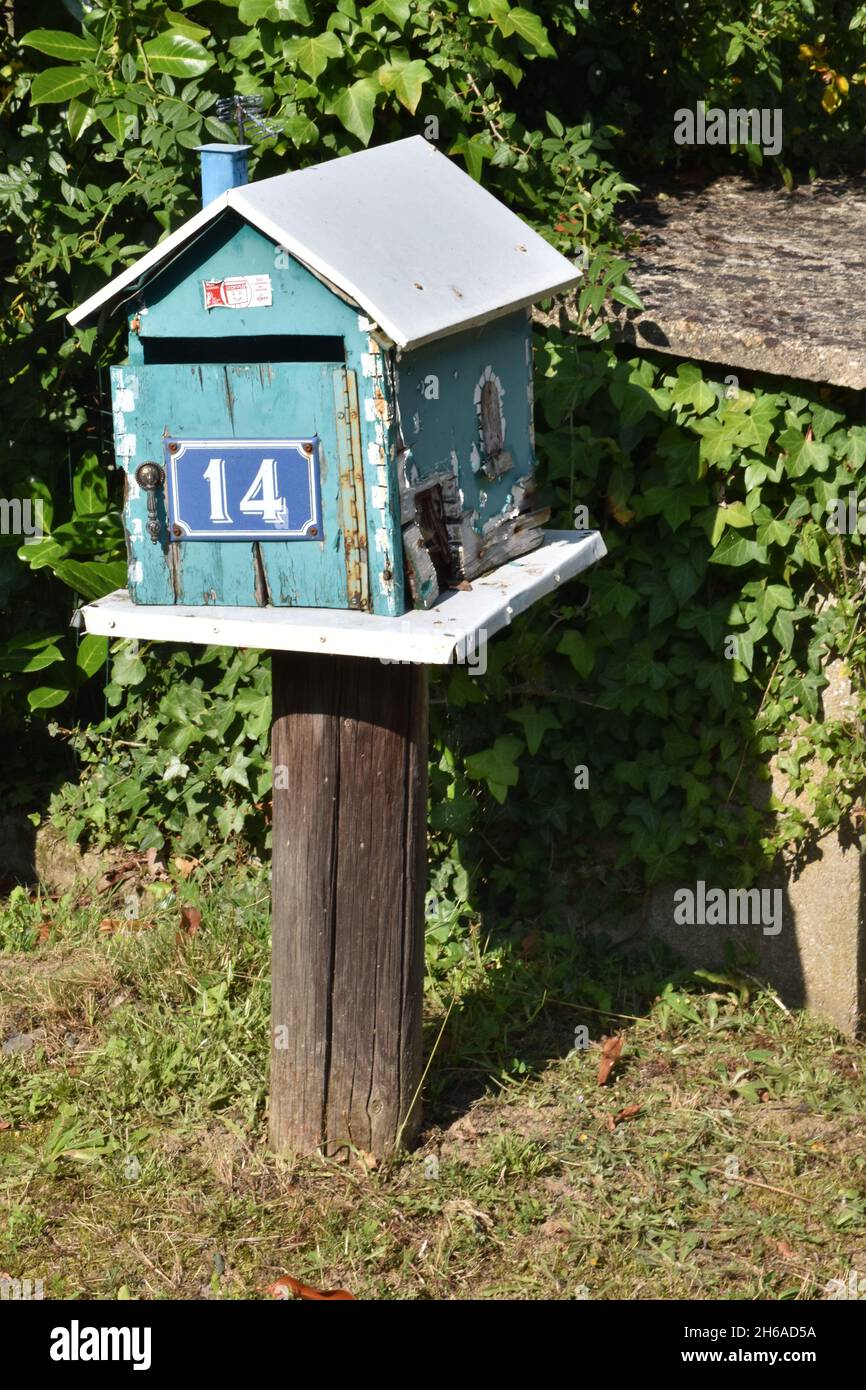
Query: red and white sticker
(238, 292)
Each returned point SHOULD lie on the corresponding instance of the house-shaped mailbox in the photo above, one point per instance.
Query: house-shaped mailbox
(327, 400)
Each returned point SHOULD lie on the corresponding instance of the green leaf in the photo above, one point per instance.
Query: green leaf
(78, 118)
(406, 80)
(296, 11)
(354, 108)
(128, 667)
(182, 24)
(312, 53)
(578, 650)
(474, 152)
(536, 723)
(177, 55)
(92, 653)
(47, 696)
(251, 11)
(24, 654)
(497, 765)
(57, 43)
(398, 11)
(92, 578)
(59, 84)
(528, 27)
(717, 440)
(90, 487)
(735, 550)
(624, 294)
(783, 630)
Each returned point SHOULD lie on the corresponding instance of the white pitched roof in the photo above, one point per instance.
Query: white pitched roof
(400, 229)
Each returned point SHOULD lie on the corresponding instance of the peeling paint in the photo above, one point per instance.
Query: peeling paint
(135, 572)
(124, 399)
(371, 366)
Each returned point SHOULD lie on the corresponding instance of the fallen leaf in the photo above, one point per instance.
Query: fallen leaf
(629, 1112)
(610, 1051)
(109, 924)
(785, 1250)
(44, 932)
(190, 918)
(369, 1162)
(185, 866)
(5, 1124)
(286, 1287)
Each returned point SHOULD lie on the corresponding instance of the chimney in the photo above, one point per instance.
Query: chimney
(222, 167)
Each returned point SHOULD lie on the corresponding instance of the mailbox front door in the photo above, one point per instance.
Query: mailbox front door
(262, 499)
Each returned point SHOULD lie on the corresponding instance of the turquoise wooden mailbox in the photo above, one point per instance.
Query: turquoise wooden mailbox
(325, 424)
(327, 401)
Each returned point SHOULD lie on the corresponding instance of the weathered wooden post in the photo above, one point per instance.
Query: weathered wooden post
(349, 749)
(325, 424)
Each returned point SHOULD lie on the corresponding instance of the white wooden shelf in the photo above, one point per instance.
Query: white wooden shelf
(460, 620)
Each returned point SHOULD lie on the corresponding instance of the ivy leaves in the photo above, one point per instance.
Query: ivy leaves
(176, 54)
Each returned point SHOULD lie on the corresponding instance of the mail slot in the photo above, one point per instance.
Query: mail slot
(327, 399)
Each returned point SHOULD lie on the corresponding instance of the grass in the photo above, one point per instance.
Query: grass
(133, 1161)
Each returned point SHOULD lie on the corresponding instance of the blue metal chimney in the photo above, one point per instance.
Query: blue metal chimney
(222, 167)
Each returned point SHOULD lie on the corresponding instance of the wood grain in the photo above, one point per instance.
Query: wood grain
(349, 748)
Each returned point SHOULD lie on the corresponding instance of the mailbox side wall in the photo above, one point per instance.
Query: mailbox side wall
(172, 306)
(439, 390)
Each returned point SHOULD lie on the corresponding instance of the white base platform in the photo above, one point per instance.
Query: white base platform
(450, 631)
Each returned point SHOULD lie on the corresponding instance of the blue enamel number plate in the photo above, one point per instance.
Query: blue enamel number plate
(243, 489)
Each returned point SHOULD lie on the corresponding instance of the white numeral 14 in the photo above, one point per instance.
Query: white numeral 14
(260, 498)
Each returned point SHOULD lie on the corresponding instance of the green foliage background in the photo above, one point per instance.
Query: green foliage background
(713, 507)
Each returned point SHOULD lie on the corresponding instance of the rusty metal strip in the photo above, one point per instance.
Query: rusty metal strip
(353, 509)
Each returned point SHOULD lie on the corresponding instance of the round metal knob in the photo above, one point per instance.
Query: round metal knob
(149, 476)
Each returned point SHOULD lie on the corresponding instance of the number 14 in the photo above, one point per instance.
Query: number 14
(260, 498)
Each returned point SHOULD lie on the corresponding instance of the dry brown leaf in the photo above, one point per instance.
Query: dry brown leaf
(5, 1124)
(44, 931)
(190, 919)
(185, 866)
(610, 1051)
(785, 1250)
(628, 1112)
(287, 1287)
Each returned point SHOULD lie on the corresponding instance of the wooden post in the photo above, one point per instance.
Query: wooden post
(349, 750)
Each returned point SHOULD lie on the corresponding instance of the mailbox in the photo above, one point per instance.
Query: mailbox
(327, 399)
